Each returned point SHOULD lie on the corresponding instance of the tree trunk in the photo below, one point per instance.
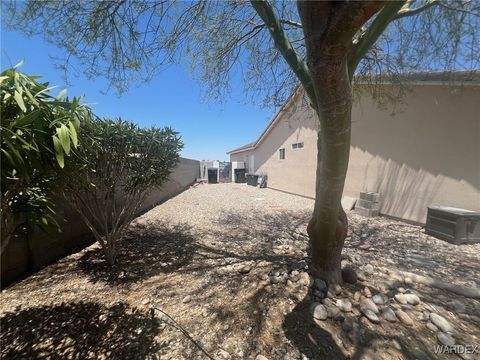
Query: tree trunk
(329, 27)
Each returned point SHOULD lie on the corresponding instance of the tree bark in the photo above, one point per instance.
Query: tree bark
(329, 27)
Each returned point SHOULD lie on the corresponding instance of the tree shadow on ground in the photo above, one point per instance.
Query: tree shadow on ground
(309, 338)
(145, 251)
(84, 330)
(318, 343)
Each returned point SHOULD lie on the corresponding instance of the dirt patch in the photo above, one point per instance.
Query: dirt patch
(229, 264)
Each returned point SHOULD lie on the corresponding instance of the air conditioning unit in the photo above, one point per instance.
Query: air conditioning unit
(457, 226)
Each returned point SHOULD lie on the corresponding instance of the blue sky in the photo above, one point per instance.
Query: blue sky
(172, 98)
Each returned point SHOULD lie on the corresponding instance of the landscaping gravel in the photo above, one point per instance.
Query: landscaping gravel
(227, 265)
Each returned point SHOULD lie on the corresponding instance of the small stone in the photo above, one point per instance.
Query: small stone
(294, 275)
(245, 269)
(102, 317)
(401, 290)
(145, 301)
(336, 289)
(356, 296)
(389, 314)
(368, 269)
(332, 311)
(401, 298)
(368, 304)
(349, 275)
(445, 339)
(367, 292)
(344, 305)
(441, 323)
(432, 327)
(187, 299)
(380, 299)
(370, 315)
(318, 294)
(305, 279)
(274, 279)
(222, 354)
(425, 316)
(396, 344)
(412, 299)
(320, 285)
(319, 311)
(404, 317)
(261, 357)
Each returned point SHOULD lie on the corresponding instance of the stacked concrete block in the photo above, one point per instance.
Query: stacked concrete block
(368, 205)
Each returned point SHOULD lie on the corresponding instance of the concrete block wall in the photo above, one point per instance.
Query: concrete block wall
(24, 255)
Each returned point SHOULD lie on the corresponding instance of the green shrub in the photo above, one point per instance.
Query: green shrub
(37, 132)
(121, 164)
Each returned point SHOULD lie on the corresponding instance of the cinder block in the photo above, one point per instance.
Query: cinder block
(368, 204)
(365, 212)
(370, 196)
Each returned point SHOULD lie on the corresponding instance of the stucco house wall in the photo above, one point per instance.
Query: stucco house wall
(423, 152)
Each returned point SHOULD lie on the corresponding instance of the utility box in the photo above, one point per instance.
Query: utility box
(457, 226)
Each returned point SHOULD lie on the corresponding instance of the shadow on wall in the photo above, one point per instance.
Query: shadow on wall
(78, 331)
(437, 132)
(404, 190)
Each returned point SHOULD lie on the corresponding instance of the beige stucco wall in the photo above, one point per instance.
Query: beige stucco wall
(296, 173)
(427, 153)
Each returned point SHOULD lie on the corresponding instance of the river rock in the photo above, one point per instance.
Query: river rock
(368, 269)
(445, 339)
(305, 279)
(432, 327)
(380, 299)
(404, 317)
(389, 314)
(401, 298)
(349, 275)
(368, 304)
(367, 292)
(320, 285)
(370, 315)
(412, 299)
(441, 323)
(319, 311)
(344, 305)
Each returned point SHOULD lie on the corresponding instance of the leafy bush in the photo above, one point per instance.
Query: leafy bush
(121, 163)
(37, 132)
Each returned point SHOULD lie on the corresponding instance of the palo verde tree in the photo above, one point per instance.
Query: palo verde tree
(275, 45)
(119, 165)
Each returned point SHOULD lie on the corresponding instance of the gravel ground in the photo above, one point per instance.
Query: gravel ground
(228, 263)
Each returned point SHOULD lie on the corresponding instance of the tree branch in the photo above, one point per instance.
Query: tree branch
(372, 33)
(282, 43)
(291, 23)
(405, 11)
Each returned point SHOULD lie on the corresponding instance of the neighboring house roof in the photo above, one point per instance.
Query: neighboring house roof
(471, 77)
(243, 148)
